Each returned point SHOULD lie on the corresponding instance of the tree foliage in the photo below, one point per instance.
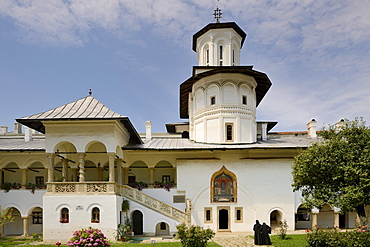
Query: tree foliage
(336, 169)
(6, 216)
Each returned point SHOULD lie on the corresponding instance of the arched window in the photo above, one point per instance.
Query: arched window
(221, 54)
(95, 215)
(229, 132)
(64, 215)
(223, 186)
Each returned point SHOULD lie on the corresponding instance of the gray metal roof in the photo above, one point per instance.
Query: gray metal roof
(84, 108)
(186, 144)
(87, 108)
(7, 144)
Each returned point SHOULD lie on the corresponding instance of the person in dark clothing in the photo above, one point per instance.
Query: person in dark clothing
(265, 238)
(257, 228)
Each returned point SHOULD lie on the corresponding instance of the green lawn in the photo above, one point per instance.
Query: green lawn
(296, 240)
(7, 242)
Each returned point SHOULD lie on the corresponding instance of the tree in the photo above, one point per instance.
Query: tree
(336, 169)
(6, 216)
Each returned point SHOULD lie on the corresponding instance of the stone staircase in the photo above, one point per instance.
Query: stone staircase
(154, 204)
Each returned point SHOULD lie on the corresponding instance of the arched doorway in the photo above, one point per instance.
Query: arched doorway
(137, 222)
(162, 228)
(223, 219)
(275, 217)
(14, 228)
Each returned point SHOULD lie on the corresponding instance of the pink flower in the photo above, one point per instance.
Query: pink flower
(363, 231)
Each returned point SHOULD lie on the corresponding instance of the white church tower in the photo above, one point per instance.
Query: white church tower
(221, 97)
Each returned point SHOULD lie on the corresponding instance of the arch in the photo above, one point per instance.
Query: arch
(14, 228)
(36, 220)
(138, 172)
(229, 93)
(95, 146)
(223, 186)
(302, 218)
(64, 215)
(325, 218)
(95, 215)
(162, 228)
(6, 161)
(32, 160)
(12, 173)
(213, 90)
(137, 222)
(276, 215)
(65, 146)
(199, 99)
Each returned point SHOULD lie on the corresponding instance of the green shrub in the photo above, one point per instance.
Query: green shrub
(194, 236)
(326, 237)
(282, 229)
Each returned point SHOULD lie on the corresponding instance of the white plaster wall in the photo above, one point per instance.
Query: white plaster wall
(22, 199)
(263, 186)
(213, 130)
(81, 133)
(152, 218)
(212, 39)
(109, 206)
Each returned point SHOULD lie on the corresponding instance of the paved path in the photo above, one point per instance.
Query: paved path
(233, 240)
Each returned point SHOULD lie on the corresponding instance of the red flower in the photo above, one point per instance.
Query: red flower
(58, 243)
(307, 230)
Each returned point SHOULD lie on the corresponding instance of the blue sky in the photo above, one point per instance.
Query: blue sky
(135, 54)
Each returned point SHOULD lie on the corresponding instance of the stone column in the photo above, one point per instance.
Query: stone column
(175, 175)
(100, 173)
(51, 167)
(74, 172)
(81, 164)
(24, 177)
(25, 226)
(125, 175)
(151, 177)
(336, 217)
(65, 170)
(119, 171)
(111, 157)
(314, 213)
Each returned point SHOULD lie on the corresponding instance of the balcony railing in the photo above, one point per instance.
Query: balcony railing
(117, 189)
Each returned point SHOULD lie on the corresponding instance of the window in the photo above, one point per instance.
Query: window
(213, 100)
(207, 56)
(95, 215)
(229, 132)
(233, 57)
(37, 217)
(207, 215)
(39, 180)
(244, 100)
(238, 215)
(221, 54)
(166, 178)
(64, 215)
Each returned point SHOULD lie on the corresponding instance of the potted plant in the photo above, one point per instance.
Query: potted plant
(31, 186)
(16, 186)
(123, 232)
(64, 220)
(140, 185)
(6, 186)
(158, 184)
(94, 220)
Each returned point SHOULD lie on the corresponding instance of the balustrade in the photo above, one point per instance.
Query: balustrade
(117, 189)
